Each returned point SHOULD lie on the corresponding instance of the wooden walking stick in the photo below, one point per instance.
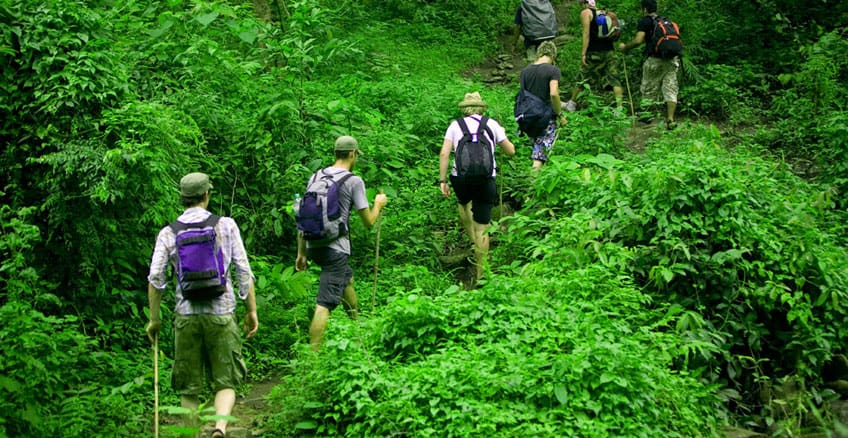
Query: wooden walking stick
(376, 260)
(627, 82)
(156, 386)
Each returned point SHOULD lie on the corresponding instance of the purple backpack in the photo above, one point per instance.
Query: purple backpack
(318, 213)
(200, 261)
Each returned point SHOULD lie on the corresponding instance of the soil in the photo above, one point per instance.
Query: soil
(251, 410)
(505, 66)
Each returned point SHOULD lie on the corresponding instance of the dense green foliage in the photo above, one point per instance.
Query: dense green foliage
(660, 289)
(522, 356)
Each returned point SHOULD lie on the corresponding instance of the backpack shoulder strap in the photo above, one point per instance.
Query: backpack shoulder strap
(210, 221)
(344, 178)
(463, 126)
(484, 126)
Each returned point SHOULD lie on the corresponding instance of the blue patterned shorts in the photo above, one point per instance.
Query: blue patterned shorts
(543, 144)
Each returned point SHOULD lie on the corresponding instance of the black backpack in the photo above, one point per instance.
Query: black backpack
(531, 113)
(475, 162)
(665, 41)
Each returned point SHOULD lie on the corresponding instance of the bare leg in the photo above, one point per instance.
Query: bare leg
(481, 247)
(478, 237)
(349, 300)
(465, 219)
(190, 402)
(619, 96)
(318, 325)
(537, 165)
(670, 106)
(225, 399)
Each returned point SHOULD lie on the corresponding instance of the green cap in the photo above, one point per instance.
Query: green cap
(347, 143)
(194, 184)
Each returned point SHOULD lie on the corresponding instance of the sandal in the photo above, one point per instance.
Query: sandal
(217, 433)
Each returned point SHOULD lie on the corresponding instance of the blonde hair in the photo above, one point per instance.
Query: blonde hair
(469, 110)
(547, 48)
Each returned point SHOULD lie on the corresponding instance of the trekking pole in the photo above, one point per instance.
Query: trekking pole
(156, 386)
(627, 82)
(376, 260)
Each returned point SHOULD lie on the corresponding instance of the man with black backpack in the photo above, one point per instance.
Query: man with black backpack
(598, 63)
(663, 50)
(201, 247)
(338, 189)
(472, 139)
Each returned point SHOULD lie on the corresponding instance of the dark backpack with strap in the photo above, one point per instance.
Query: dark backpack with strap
(475, 162)
(319, 214)
(665, 41)
(531, 113)
(200, 261)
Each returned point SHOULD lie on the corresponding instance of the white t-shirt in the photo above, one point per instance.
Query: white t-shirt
(454, 134)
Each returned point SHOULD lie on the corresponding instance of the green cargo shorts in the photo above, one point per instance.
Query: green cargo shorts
(206, 345)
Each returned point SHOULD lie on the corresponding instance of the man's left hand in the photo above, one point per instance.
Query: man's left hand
(251, 324)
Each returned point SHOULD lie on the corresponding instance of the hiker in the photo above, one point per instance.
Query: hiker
(206, 336)
(536, 21)
(598, 63)
(335, 284)
(475, 193)
(541, 78)
(659, 75)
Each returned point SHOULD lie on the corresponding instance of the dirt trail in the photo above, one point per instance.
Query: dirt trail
(504, 67)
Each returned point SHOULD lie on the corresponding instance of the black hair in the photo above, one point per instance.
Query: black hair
(191, 201)
(649, 5)
(343, 155)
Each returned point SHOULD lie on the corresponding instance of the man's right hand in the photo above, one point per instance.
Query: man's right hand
(380, 200)
(152, 329)
(300, 263)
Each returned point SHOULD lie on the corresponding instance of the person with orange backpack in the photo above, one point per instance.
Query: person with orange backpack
(663, 50)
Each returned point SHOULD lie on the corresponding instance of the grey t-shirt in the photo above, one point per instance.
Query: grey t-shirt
(351, 194)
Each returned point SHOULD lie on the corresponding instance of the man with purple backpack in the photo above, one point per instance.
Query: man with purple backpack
(201, 247)
(323, 235)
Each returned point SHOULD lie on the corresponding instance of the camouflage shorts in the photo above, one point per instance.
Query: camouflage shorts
(659, 79)
(206, 346)
(602, 71)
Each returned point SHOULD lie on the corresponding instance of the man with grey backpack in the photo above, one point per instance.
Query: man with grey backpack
(322, 217)
(536, 21)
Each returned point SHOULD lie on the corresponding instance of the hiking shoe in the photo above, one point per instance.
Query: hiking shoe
(670, 124)
(570, 106)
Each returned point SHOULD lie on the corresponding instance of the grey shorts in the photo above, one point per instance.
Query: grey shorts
(336, 273)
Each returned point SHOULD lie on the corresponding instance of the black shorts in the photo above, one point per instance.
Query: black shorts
(482, 198)
(336, 273)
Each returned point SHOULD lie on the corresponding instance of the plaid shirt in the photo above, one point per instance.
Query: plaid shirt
(229, 239)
